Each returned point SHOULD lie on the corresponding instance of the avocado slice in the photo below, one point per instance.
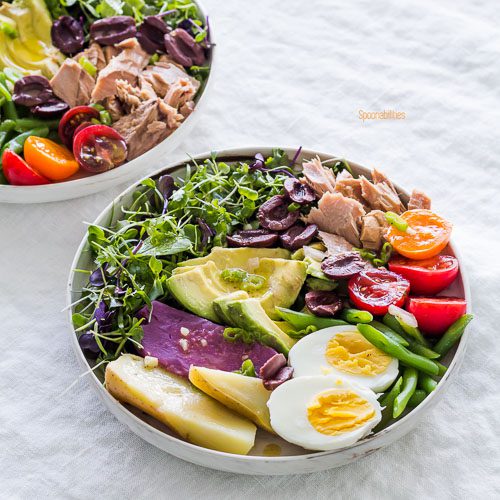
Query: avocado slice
(219, 305)
(197, 287)
(242, 258)
(249, 315)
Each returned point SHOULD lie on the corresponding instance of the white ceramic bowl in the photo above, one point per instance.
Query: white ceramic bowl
(293, 459)
(90, 184)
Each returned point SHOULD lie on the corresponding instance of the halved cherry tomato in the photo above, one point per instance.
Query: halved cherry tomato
(429, 276)
(426, 236)
(436, 314)
(99, 148)
(18, 172)
(52, 160)
(374, 290)
(70, 121)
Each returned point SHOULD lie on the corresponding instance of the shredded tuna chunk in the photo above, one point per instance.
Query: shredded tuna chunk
(149, 124)
(320, 178)
(113, 105)
(94, 54)
(347, 185)
(419, 199)
(127, 66)
(334, 243)
(186, 109)
(72, 84)
(338, 215)
(109, 52)
(380, 196)
(163, 75)
(373, 226)
(180, 93)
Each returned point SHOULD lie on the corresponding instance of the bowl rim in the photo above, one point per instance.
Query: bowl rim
(116, 173)
(249, 151)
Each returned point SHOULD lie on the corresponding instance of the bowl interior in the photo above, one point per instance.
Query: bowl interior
(266, 445)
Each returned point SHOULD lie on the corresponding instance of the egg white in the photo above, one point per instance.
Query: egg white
(307, 357)
(288, 410)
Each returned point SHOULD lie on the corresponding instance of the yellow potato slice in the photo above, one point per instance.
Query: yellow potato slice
(245, 395)
(174, 401)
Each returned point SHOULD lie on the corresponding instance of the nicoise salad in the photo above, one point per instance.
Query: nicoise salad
(88, 85)
(305, 300)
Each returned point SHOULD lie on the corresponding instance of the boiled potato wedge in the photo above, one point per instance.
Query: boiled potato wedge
(174, 401)
(245, 395)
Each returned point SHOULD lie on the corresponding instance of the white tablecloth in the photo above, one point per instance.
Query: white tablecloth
(292, 73)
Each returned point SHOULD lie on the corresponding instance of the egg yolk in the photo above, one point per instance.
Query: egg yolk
(336, 412)
(352, 353)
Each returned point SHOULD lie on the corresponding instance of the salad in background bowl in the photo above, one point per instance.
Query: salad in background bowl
(87, 88)
(269, 311)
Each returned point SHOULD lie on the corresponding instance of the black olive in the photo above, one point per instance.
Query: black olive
(183, 49)
(50, 109)
(343, 265)
(298, 235)
(32, 90)
(67, 35)
(257, 238)
(151, 34)
(323, 303)
(298, 192)
(112, 30)
(274, 214)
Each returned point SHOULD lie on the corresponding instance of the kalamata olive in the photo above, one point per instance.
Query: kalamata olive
(343, 265)
(274, 214)
(183, 49)
(256, 238)
(32, 90)
(298, 192)
(282, 376)
(151, 34)
(112, 30)
(323, 303)
(272, 366)
(298, 235)
(50, 109)
(67, 35)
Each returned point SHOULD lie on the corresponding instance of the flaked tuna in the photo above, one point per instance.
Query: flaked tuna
(419, 199)
(72, 84)
(339, 215)
(180, 339)
(373, 226)
(334, 243)
(320, 178)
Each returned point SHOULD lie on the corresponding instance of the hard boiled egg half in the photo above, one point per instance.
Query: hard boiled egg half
(323, 412)
(343, 352)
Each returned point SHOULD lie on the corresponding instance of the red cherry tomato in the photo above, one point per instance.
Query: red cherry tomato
(72, 119)
(99, 148)
(18, 172)
(428, 276)
(374, 290)
(436, 314)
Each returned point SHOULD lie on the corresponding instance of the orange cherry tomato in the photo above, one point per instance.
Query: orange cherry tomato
(52, 160)
(426, 236)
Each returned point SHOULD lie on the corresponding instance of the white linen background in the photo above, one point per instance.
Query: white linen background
(292, 73)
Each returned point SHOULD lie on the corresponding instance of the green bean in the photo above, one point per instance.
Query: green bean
(356, 316)
(389, 332)
(390, 321)
(5, 129)
(422, 350)
(300, 320)
(418, 396)
(396, 350)
(426, 382)
(441, 368)
(24, 124)
(412, 331)
(387, 402)
(17, 143)
(452, 335)
(410, 377)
